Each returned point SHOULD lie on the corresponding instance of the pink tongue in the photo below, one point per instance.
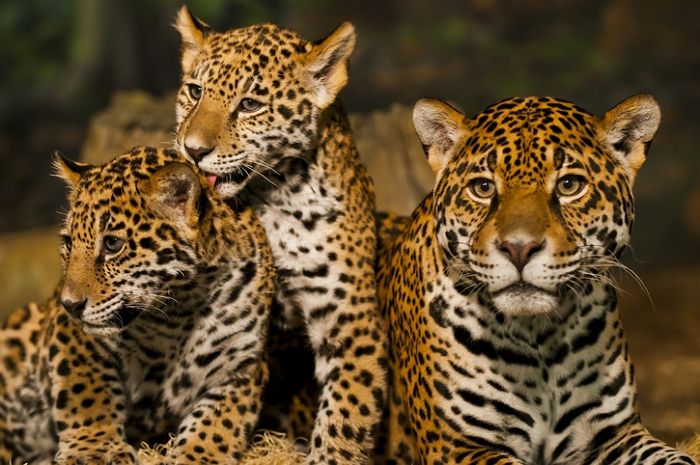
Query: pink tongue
(212, 179)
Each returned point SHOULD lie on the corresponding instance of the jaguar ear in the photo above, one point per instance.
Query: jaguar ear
(629, 128)
(327, 64)
(68, 170)
(174, 191)
(192, 32)
(440, 128)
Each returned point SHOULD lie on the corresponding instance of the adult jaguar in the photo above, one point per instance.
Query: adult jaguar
(505, 339)
(256, 112)
(158, 326)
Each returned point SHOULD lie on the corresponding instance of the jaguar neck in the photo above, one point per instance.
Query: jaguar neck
(335, 139)
(334, 152)
(579, 318)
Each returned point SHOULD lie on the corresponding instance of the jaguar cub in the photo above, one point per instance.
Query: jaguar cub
(158, 327)
(505, 337)
(256, 111)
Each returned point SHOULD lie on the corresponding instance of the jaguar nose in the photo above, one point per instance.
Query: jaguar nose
(74, 307)
(520, 253)
(197, 153)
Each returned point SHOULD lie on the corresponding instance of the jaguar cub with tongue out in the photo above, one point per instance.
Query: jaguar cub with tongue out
(256, 111)
(505, 339)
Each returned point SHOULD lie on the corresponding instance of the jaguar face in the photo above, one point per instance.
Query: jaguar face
(533, 195)
(128, 237)
(252, 97)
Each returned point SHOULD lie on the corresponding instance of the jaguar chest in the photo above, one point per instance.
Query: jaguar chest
(301, 223)
(158, 374)
(167, 361)
(534, 386)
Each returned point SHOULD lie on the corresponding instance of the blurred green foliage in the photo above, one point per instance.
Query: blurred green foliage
(34, 41)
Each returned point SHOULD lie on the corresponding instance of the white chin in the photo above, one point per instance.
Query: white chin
(102, 330)
(525, 302)
(228, 189)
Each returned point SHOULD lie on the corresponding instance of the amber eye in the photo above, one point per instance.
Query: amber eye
(112, 244)
(195, 91)
(483, 188)
(570, 185)
(250, 105)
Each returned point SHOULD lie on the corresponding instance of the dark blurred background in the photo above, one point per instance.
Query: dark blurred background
(64, 61)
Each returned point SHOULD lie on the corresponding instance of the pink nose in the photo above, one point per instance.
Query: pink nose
(519, 253)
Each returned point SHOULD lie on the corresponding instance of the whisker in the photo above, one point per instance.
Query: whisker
(262, 175)
(266, 166)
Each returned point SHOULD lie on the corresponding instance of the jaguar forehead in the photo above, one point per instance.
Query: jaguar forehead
(518, 136)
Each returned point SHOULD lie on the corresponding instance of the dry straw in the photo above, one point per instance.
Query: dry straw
(267, 448)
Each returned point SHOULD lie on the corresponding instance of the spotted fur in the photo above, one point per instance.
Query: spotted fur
(158, 327)
(256, 112)
(505, 339)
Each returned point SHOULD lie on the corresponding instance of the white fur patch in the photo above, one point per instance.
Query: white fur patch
(525, 302)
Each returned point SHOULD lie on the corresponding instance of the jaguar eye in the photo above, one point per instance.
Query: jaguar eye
(250, 105)
(195, 91)
(570, 185)
(483, 188)
(112, 244)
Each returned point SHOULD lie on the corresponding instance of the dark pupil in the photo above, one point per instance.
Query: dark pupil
(195, 91)
(249, 104)
(112, 242)
(485, 186)
(568, 183)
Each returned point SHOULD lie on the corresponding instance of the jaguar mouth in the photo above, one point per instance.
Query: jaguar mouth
(114, 324)
(522, 287)
(126, 316)
(236, 177)
(523, 298)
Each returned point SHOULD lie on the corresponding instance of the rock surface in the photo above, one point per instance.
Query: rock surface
(133, 118)
(390, 149)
